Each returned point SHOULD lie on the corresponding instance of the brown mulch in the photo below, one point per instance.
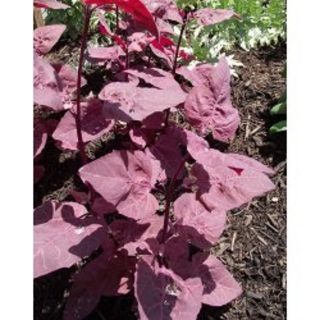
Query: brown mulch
(253, 245)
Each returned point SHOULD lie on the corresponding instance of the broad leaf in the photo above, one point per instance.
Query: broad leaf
(208, 105)
(167, 151)
(110, 274)
(138, 41)
(95, 123)
(219, 286)
(136, 8)
(192, 213)
(226, 181)
(132, 235)
(63, 236)
(123, 179)
(156, 77)
(165, 9)
(103, 54)
(163, 295)
(209, 16)
(44, 38)
(126, 102)
(46, 85)
(68, 79)
(50, 4)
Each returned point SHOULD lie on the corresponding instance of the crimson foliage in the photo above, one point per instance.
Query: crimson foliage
(145, 240)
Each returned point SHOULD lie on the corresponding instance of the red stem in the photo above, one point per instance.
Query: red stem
(81, 145)
(178, 46)
(117, 18)
(169, 192)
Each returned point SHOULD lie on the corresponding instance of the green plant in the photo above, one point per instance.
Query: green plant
(263, 23)
(280, 109)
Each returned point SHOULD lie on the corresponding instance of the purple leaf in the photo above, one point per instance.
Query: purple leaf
(95, 123)
(39, 138)
(132, 235)
(62, 236)
(136, 8)
(123, 179)
(127, 102)
(167, 151)
(80, 304)
(165, 9)
(38, 172)
(221, 186)
(156, 77)
(209, 16)
(163, 295)
(162, 52)
(103, 54)
(44, 38)
(138, 41)
(51, 4)
(219, 285)
(68, 78)
(192, 213)
(208, 105)
(110, 274)
(46, 86)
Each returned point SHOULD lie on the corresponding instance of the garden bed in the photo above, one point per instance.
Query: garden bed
(253, 245)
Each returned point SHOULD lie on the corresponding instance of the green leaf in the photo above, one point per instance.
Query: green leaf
(280, 108)
(278, 127)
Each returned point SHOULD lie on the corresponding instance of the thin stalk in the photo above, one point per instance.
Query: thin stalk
(117, 18)
(178, 46)
(81, 145)
(169, 193)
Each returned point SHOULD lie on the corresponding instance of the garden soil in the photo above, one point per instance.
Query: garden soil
(253, 245)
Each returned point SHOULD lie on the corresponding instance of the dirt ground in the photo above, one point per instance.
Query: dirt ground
(253, 245)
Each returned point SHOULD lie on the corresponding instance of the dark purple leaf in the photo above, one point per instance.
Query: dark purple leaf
(131, 235)
(38, 172)
(63, 236)
(44, 38)
(163, 295)
(110, 274)
(39, 138)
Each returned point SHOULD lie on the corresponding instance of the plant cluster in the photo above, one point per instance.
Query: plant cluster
(262, 23)
(155, 206)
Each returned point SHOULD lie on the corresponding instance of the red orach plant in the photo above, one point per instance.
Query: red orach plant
(146, 246)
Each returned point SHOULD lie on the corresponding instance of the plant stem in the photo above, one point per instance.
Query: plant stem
(117, 18)
(178, 46)
(169, 192)
(81, 145)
